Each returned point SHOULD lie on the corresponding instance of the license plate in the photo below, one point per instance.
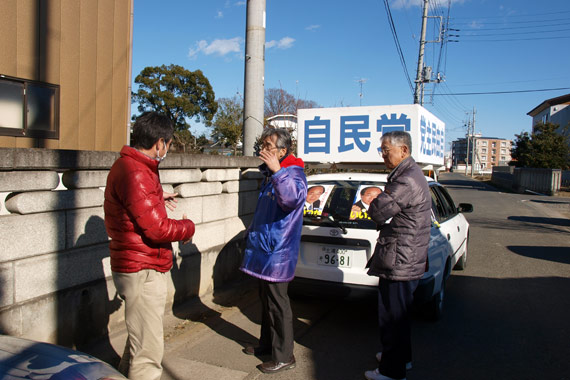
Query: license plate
(335, 257)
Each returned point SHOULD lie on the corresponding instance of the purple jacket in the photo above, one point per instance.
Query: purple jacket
(274, 236)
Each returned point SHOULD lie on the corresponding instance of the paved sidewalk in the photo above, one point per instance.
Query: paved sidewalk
(204, 337)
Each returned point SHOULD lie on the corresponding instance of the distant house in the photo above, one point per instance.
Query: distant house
(555, 111)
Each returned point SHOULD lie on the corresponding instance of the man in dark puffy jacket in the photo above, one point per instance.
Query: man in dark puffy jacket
(401, 252)
(141, 233)
(272, 248)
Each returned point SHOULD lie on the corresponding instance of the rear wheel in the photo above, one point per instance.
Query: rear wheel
(434, 308)
(462, 262)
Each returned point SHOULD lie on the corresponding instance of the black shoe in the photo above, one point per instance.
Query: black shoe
(257, 351)
(272, 367)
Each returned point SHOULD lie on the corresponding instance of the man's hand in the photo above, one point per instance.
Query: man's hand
(170, 200)
(189, 240)
(271, 160)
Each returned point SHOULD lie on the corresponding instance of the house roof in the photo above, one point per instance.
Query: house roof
(549, 103)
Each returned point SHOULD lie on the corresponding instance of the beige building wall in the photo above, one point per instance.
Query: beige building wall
(84, 46)
(493, 152)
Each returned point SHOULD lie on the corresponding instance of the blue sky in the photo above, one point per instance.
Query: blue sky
(320, 49)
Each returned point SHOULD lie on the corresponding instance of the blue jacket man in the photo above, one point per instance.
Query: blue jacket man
(272, 247)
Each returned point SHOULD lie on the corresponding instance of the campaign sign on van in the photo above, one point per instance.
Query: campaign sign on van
(352, 134)
(317, 196)
(365, 194)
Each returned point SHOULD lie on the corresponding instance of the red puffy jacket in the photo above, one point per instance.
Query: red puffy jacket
(135, 216)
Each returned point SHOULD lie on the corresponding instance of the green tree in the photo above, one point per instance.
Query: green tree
(179, 93)
(544, 148)
(228, 122)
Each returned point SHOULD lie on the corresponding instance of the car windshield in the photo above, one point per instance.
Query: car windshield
(341, 203)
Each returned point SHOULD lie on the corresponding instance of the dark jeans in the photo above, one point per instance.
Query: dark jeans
(394, 301)
(276, 320)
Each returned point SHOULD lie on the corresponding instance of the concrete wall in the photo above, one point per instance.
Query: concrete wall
(55, 277)
(544, 181)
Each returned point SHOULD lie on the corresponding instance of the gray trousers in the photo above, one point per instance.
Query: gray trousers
(144, 294)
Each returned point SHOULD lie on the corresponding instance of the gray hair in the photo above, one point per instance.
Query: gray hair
(283, 137)
(398, 138)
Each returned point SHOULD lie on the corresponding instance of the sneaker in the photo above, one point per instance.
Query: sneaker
(375, 375)
(379, 357)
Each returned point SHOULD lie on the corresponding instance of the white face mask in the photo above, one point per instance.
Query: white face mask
(160, 159)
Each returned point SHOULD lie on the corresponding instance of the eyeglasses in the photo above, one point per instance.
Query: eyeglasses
(268, 147)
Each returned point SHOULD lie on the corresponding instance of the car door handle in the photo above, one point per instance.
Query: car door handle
(448, 237)
(458, 229)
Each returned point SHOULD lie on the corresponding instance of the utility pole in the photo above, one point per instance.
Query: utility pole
(467, 153)
(474, 143)
(418, 99)
(254, 75)
(361, 81)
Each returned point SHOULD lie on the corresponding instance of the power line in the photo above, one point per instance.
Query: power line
(503, 92)
(515, 33)
(521, 15)
(397, 42)
(519, 27)
(519, 39)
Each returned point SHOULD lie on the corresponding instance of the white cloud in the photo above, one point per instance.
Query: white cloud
(220, 14)
(312, 27)
(217, 47)
(284, 43)
(475, 25)
(240, 3)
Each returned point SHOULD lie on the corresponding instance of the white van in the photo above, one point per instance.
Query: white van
(338, 238)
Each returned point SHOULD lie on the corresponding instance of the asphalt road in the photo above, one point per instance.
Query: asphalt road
(506, 316)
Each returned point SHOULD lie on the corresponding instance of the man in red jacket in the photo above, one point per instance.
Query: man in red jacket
(141, 233)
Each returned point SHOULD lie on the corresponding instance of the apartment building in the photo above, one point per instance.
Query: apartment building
(485, 152)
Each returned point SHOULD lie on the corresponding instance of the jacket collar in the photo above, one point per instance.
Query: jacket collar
(285, 162)
(131, 152)
(406, 163)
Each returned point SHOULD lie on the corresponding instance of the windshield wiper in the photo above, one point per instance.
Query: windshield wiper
(336, 223)
(329, 218)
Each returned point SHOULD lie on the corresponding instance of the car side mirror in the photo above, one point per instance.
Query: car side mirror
(465, 207)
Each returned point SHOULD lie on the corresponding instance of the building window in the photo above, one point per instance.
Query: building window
(493, 159)
(484, 150)
(503, 143)
(503, 158)
(494, 144)
(484, 142)
(484, 158)
(28, 108)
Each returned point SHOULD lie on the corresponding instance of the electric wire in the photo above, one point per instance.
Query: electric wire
(504, 92)
(519, 39)
(522, 27)
(397, 42)
(533, 15)
(515, 33)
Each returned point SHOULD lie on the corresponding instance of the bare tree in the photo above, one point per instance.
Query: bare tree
(279, 102)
